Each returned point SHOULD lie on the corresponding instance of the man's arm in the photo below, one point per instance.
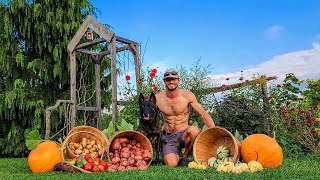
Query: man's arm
(206, 118)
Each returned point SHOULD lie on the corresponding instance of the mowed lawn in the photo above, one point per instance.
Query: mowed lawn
(307, 167)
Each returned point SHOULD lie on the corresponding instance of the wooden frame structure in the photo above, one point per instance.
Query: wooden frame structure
(106, 35)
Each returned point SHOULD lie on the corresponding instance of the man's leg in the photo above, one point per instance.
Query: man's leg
(189, 137)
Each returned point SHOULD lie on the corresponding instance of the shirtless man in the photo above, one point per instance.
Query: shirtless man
(174, 105)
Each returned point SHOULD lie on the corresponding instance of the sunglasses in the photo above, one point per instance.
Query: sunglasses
(172, 73)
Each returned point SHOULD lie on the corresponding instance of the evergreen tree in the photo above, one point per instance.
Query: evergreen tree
(34, 64)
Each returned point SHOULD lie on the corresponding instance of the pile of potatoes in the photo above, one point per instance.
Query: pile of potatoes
(86, 146)
(126, 153)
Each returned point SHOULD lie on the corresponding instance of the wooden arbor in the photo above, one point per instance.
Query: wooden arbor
(106, 35)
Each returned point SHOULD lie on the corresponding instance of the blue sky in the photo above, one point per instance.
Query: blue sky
(271, 37)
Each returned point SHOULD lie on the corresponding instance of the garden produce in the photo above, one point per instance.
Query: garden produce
(222, 157)
(212, 161)
(46, 155)
(195, 165)
(255, 166)
(226, 167)
(86, 146)
(128, 154)
(261, 148)
(222, 152)
(240, 168)
(89, 163)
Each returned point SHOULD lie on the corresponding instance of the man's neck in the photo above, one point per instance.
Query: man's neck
(172, 94)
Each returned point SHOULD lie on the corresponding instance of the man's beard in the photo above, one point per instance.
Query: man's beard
(172, 88)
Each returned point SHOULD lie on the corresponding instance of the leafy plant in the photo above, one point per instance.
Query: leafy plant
(243, 109)
(33, 139)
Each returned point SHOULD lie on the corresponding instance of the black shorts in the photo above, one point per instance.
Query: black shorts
(172, 142)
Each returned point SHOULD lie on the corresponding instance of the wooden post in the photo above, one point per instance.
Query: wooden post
(113, 80)
(264, 90)
(137, 63)
(98, 91)
(73, 88)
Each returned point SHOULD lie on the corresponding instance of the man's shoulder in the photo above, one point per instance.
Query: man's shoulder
(188, 94)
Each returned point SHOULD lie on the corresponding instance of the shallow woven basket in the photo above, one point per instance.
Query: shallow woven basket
(77, 137)
(97, 132)
(142, 139)
(207, 142)
(64, 166)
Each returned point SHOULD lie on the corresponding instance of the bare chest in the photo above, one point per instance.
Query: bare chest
(174, 106)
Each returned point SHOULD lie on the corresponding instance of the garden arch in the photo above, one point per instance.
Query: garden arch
(106, 35)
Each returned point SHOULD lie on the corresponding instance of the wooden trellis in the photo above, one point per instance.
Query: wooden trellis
(106, 35)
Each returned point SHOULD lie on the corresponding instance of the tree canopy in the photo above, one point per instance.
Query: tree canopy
(34, 63)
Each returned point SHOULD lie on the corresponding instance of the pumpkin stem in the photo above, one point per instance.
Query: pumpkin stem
(257, 155)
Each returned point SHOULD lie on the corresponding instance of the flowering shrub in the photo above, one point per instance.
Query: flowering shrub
(302, 125)
(295, 115)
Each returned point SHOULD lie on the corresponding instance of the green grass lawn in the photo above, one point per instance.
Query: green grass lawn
(292, 168)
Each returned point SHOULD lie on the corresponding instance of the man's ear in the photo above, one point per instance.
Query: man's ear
(141, 97)
(153, 98)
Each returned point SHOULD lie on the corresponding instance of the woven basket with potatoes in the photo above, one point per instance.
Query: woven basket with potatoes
(84, 140)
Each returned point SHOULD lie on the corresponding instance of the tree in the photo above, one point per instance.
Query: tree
(34, 62)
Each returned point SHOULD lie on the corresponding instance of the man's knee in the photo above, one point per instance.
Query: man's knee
(193, 131)
(171, 160)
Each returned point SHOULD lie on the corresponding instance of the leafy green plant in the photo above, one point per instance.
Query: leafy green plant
(243, 109)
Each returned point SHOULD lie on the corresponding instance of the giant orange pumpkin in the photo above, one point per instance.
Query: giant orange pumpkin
(45, 157)
(261, 148)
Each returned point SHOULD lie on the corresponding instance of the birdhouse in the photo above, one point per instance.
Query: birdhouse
(89, 36)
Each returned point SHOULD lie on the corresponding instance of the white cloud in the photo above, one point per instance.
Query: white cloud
(274, 31)
(304, 64)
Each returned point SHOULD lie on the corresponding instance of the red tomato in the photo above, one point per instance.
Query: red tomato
(101, 168)
(95, 169)
(103, 163)
(88, 166)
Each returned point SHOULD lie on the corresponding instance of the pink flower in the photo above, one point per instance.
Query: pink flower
(278, 85)
(128, 78)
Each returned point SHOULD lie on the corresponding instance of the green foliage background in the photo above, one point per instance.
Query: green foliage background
(34, 64)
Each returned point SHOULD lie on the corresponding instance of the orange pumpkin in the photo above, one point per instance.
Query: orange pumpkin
(261, 148)
(45, 157)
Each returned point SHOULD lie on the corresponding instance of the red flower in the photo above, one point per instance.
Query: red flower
(282, 107)
(227, 79)
(128, 78)
(140, 80)
(152, 74)
(155, 88)
(154, 71)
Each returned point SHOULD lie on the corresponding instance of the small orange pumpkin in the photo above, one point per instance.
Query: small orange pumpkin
(45, 157)
(261, 148)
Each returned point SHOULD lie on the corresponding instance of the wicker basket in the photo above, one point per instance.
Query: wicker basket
(142, 139)
(76, 135)
(97, 132)
(64, 166)
(207, 142)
